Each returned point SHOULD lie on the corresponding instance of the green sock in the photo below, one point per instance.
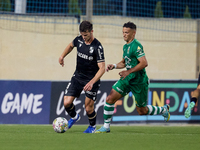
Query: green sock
(108, 112)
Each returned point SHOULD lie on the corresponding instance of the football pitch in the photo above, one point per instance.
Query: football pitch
(140, 137)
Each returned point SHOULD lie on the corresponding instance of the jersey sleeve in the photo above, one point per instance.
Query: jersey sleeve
(75, 42)
(100, 53)
(139, 52)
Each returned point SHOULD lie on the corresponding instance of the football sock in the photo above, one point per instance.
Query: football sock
(193, 99)
(74, 118)
(71, 111)
(108, 112)
(92, 118)
(155, 110)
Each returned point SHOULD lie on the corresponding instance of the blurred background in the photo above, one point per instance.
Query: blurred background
(33, 34)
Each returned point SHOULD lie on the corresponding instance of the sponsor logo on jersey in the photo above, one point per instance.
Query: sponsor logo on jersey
(82, 55)
(100, 54)
(127, 62)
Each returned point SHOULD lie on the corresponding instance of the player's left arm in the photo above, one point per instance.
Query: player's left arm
(141, 65)
(98, 75)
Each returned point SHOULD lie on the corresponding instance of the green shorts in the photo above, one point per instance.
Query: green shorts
(140, 91)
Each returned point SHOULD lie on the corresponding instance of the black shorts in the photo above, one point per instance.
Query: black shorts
(75, 87)
(199, 80)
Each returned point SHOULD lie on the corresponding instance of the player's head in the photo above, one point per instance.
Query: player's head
(130, 25)
(86, 30)
(85, 26)
(129, 31)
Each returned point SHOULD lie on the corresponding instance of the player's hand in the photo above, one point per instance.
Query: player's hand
(110, 67)
(61, 61)
(123, 74)
(88, 86)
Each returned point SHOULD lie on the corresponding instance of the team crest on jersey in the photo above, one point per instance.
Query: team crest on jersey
(80, 45)
(91, 49)
(128, 50)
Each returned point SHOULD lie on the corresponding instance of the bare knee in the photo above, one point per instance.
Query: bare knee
(110, 100)
(141, 113)
(142, 110)
(195, 93)
(68, 101)
(89, 106)
(89, 109)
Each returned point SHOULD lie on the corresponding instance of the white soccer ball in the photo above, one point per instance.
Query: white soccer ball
(60, 125)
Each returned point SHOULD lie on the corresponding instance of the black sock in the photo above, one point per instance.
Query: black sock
(193, 99)
(71, 110)
(92, 118)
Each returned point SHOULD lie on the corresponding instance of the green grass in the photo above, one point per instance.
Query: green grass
(43, 137)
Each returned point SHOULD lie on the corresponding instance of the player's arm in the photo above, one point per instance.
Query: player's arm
(141, 65)
(98, 75)
(67, 50)
(119, 65)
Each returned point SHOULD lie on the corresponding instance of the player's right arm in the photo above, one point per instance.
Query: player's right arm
(67, 50)
(119, 65)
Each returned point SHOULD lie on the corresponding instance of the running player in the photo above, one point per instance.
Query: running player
(89, 69)
(133, 79)
(194, 98)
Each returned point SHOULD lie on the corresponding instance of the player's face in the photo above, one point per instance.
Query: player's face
(128, 34)
(86, 36)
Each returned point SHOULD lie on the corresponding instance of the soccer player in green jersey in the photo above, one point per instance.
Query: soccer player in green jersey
(194, 98)
(133, 79)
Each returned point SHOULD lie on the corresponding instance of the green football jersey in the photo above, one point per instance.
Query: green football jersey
(131, 53)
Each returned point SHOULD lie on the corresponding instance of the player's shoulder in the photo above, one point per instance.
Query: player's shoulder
(96, 43)
(79, 37)
(136, 45)
(136, 42)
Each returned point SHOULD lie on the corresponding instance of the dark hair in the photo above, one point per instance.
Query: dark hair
(130, 25)
(85, 26)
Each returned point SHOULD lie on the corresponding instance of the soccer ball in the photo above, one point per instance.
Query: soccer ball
(60, 125)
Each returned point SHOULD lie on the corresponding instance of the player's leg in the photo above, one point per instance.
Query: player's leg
(70, 108)
(109, 110)
(141, 103)
(157, 110)
(91, 97)
(89, 108)
(194, 97)
(72, 91)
